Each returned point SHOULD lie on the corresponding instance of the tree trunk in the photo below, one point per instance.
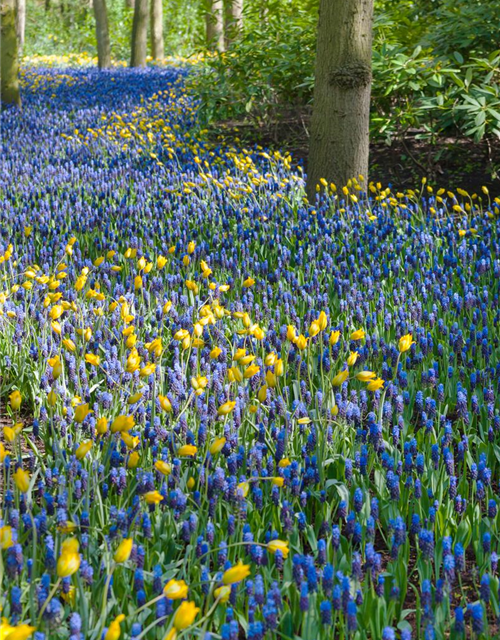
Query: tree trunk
(341, 109)
(20, 24)
(157, 45)
(9, 63)
(234, 21)
(102, 34)
(215, 24)
(139, 34)
(130, 4)
(47, 5)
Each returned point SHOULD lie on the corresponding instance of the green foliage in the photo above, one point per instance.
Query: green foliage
(425, 91)
(68, 26)
(258, 76)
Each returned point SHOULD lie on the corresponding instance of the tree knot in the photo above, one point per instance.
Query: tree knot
(351, 76)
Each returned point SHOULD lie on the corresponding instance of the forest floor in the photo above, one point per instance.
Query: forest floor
(451, 162)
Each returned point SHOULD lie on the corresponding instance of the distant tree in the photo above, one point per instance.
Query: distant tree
(102, 34)
(9, 63)
(234, 21)
(139, 34)
(339, 141)
(20, 24)
(130, 3)
(157, 45)
(214, 17)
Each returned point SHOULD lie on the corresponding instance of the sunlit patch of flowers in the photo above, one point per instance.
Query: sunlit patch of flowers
(227, 413)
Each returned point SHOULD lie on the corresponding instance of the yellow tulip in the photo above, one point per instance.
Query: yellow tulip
(334, 337)
(102, 426)
(236, 574)
(222, 593)
(19, 632)
(153, 497)
(373, 385)
(6, 540)
(187, 450)
(165, 404)
(69, 560)
(69, 344)
(122, 423)
(351, 360)
(133, 460)
(358, 335)
(83, 449)
(114, 631)
(405, 342)
(56, 365)
(365, 376)
(81, 412)
(322, 321)
(15, 400)
(215, 353)
(163, 467)
(122, 554)
(92, 359)
(340, 378)
(301, 342)
(185, 615)
(217, 445)
(226, 408)
(314, 329)
(22, 480)
(176, 590)
(278, 545)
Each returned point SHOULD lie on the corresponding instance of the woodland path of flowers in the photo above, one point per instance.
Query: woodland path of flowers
(228, 414)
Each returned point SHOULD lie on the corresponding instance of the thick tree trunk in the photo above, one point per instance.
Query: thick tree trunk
(9, 64)
(215, 24)
(341, 109)
(102, 34)
(20, 24)
(234, 21)
(139, 34)
(157, 45)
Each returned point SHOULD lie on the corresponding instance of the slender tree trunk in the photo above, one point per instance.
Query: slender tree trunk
(139, 34)
(156, 15)
(9, 63)
(234, 21)
(47, 5)
(20, 24)
(130, 3)
(102, 34)
(215, 24)
(341, 110)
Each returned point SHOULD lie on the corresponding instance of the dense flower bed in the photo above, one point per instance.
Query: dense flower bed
(226, 413)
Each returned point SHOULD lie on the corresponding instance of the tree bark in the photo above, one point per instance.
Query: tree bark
(157, 45)
(9, 63)
(339, 142)
(215, 24)
(102, 34)
(139, 34)
(20, 24)
(234, 21)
